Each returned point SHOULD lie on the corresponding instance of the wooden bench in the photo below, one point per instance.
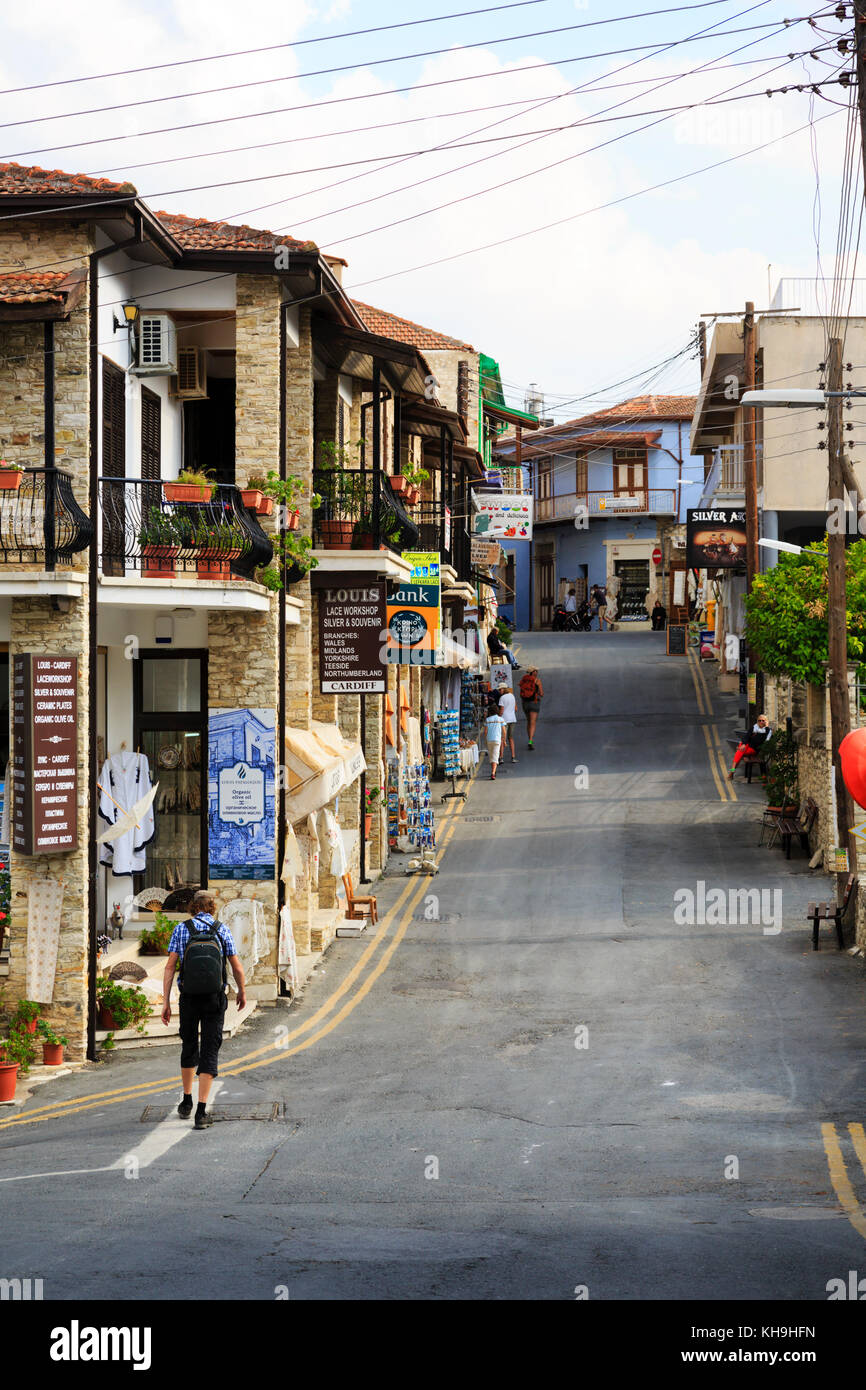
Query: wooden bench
(831, 912)
(800, 825)
(359, 907)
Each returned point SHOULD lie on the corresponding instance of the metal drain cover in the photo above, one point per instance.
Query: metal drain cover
(448, 917)
(263, 1110)
(480, 820)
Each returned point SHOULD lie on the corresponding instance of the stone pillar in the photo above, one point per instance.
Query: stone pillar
(377, 844)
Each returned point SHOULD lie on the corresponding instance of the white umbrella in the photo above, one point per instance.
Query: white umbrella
(128, 819)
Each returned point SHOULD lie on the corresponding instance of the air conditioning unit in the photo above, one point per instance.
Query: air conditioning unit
(156, 346)
(190, 383)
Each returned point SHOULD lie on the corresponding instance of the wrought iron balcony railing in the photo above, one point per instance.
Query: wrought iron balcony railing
(41, 522)
(141, 532)
(348, 515)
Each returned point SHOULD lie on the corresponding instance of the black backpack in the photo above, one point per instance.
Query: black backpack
(203, 968)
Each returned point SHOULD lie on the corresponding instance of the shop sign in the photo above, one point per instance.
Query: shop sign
(500, 677)
(352, 618)
(507, 517)
(241, 793)
(716, 538)
(447, 528)
(482, 552)
(44, 816)
(414, 612)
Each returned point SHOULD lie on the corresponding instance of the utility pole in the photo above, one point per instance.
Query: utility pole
(837, 626)
(750, 472)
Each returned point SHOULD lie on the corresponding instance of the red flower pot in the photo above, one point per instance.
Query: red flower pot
(157, 561)
(10, 478)
(265, 507)
(52, 1054)
(252, 498)
(337, 535)
(186, 492)
(368, 824)
(8, 1080)
(106, 1017)
(215, 564)
(31, 1026)
(293, 521)
(399, 484)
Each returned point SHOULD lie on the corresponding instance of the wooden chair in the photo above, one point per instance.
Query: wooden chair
(831, 912)
(359, 907)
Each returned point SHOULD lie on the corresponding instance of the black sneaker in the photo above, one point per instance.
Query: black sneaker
(203, 1121)
(185, 1108)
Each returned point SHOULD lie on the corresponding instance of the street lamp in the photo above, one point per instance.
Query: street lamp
(782, 545)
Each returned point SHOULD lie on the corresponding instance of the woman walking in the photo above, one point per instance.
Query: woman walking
(531, 694)
(495, 727)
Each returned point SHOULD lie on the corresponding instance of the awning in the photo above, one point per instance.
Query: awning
(320, 762)
(451, 653)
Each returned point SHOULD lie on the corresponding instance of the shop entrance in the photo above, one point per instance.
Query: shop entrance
(633, 576)
(170, 728)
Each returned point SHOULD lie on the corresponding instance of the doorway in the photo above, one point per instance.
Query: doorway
(633, 576)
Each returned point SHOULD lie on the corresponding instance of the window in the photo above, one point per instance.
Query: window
(113, 420)
(151, 434)
(629, 471)
(581, 479)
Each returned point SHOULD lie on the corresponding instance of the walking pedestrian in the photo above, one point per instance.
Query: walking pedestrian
(531, 694)
(495, 726)
(600, 594)
(201, 946)
(508, 710)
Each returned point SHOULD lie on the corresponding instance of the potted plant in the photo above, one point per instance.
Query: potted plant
(192, 485)
(389, 531)
(52, 1045)
(8, 1077)
(153, 941)
(371, 798)
(254, 495)
(25, 1016)
(409, 482)
(782, 781)
(217, 544)
(18, 1054)
(342, 491)
(120, 1006)
(10, 476)
(158, 538)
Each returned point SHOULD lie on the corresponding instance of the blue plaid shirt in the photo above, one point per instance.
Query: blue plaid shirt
(204, 921)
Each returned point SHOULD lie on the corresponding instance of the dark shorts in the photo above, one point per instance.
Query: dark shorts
(530, 706)
(201, 1014)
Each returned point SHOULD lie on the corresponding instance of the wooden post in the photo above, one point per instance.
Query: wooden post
(837, 626)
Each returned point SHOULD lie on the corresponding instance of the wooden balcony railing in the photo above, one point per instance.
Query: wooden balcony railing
(648, 501)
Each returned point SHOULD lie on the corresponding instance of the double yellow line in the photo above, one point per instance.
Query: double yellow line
(839, 1173)
(715, 751)
(318, 1026)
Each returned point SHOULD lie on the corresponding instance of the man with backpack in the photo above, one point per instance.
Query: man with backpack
(531, 693)
(202, 946)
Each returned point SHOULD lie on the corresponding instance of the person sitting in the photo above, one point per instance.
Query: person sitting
(658, 616)
(570, 604)
(497, 647)
(754, 740)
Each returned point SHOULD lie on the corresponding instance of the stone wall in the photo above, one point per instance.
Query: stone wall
(36, 627)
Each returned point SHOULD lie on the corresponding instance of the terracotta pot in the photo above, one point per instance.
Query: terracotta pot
(252, 498)
(31, 1026)
(52, 1054)
(368, 824)
(215, 564)
(412, 495)
(186, 492)
(364, 541)
(337, 535)
(10, 478)
(293, 521)
(158, 561)
(265, 507)
(106, 1017)
(8, 1080)
(399, 484)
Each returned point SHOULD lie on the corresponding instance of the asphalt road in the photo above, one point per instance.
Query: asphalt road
(553, 1084)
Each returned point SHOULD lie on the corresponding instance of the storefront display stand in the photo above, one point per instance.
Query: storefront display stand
(454, 793)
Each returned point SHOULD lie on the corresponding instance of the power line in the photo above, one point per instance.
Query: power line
(349, 34)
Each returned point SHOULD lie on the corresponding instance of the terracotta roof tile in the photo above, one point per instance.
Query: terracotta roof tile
(387, 325)
(548, 440)
(18, 180)
(645, 408)
(33, 287)
(197, 234)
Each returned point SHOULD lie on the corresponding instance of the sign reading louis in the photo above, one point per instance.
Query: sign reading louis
(241, 793)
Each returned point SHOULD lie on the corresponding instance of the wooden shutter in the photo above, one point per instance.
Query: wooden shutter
(113, 420)
(151, 434)
(581, 479)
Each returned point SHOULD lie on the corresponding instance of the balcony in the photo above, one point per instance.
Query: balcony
(41, 523)
(144, 537)
(564, 506)
(448, 536)
(348, 518)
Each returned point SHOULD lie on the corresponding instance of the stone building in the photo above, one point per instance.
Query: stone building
(136, 346)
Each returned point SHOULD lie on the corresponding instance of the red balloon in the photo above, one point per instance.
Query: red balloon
(852, 755)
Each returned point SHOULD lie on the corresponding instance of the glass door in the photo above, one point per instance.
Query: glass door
(171, 730)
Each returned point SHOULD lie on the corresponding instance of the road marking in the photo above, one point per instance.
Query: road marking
(276, 1050)
(720, 786)
(699, 696)
(858, 1139)
(720, 754)
(839, 1176)
(163, 1137)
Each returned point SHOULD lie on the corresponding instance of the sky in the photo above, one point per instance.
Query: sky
(592, 206)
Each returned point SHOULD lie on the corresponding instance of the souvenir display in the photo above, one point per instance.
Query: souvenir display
(422, 832)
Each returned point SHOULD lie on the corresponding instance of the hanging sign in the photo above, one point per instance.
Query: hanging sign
(414, 613)
(507, 516)
(447, 511)
(716, 539)
(241, 793)
(44, 817)
(482, 552)
(352, 617)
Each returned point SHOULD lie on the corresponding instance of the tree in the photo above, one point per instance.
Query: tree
(786, 613)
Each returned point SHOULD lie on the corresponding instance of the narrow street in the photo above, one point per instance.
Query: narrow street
(445, 1128)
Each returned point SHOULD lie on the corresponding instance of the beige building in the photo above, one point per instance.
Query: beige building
(135, 346)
